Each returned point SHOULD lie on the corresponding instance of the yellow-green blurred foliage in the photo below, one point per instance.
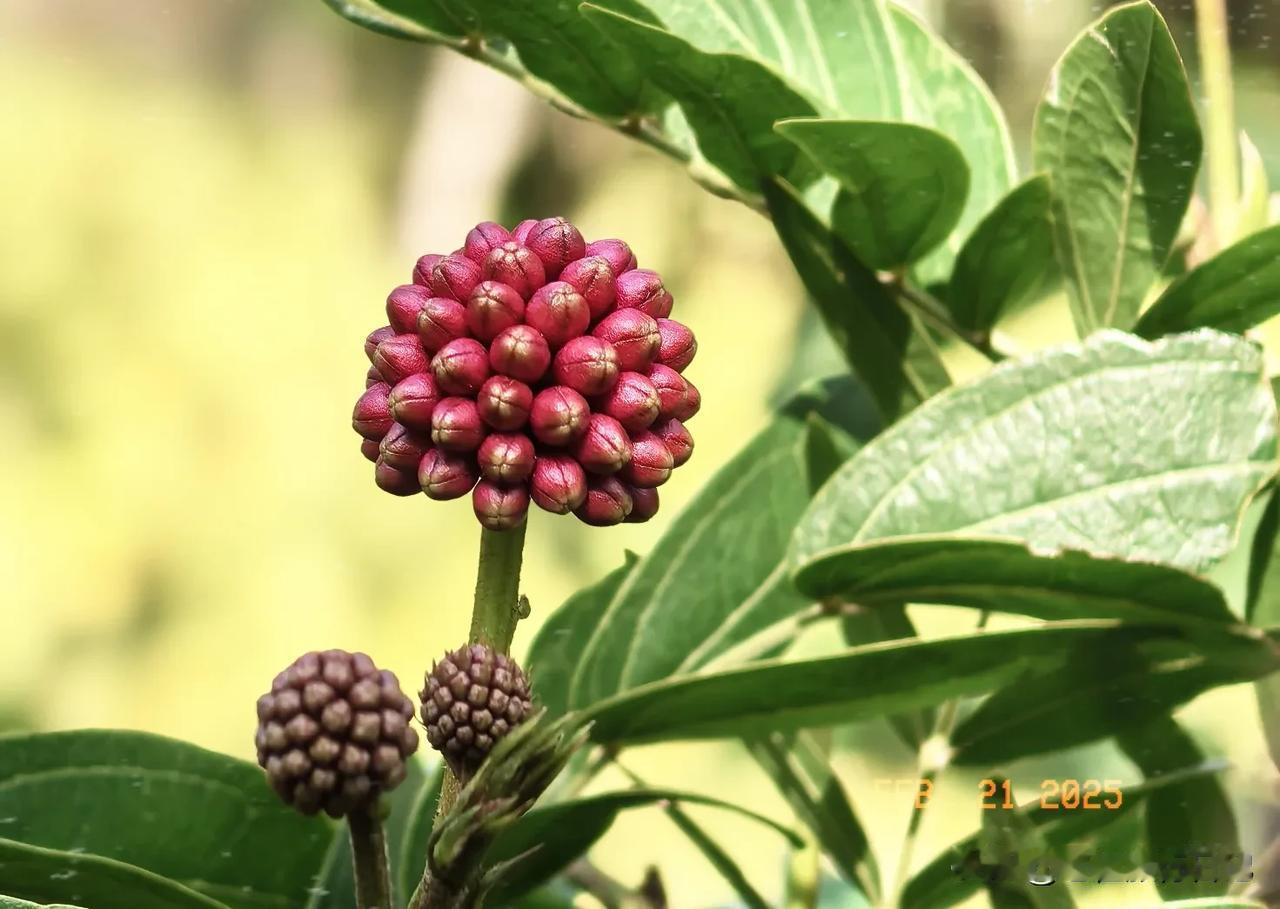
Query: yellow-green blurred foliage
(204, 206)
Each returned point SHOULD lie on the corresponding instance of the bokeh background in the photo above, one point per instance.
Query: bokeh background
(202, 207)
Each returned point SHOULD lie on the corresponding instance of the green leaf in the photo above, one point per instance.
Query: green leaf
(1005, 576)
(903, 186)
(889, 622)
(419, 818)
(8, 902)
(34, 873)
(863, 682)
(718, 857)
(557, 649)
(1102, 689)
(801, 770)
(451, 18)
(375, 18)
(840, 55)
(1006, 259)
(1262, 608)
(560, 833)
(1235, 290)
(205, 820)
(943, 91)
(937, 886)
(1016, 454)
(1117, 133)
(685, 604)
(1193, 815)
(730, 101)
(1253, 211)
(891, 353)
(1006, 833)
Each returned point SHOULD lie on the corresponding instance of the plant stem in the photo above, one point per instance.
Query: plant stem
(369, 859)
(932, 310)
(496, 609)
(1224, 157)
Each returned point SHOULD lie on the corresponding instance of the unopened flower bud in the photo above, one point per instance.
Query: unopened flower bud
(556, 242)
(440, 321)
(492, 308)
(376, 337)
(605, 447)
(456, 425)
(504, 403)
(587, 365)
(454, 277)
(482, 238)
(403, 305)
(617, 253)
(651, 463)
(670, 386)
(394, 480)
(372, 415)
(520, 352)
(372, 377)
(633, 402)
(634, 335)
(678, 344)
(370, 449)
(608, 502)
(499, 507)
(403, 448)
(422, 268)
(443, 475)
(558, 416)
(644, 504)
(559, 312)
(399, 357)
(516, 266)
(506, 458)
(521, 231)
(592, 277)
(559, 484)
(643, 290)
(461, 366)
(691, 404)
(413, 400)
(677, 439)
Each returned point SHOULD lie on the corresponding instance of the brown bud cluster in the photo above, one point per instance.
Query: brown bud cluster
(471, 699)
(530, 366)
(334, 733)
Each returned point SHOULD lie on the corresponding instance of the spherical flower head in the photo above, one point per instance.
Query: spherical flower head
(333, 733)
(529, 366)
(471, 699)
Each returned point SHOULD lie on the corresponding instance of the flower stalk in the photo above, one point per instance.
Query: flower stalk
(369, 858)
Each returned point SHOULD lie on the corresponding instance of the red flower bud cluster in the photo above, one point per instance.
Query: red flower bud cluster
(530, 365)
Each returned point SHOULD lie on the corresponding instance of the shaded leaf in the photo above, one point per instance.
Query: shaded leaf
(884, 346)
(1262, 608)
(889, 622)
(1005, 833)
(903, 186)
(1006, 259)
(1117, 133)
(199, 818)
(48, 875)
(718, 857)
(1016, 454)
(1235, 290)
(684, 604)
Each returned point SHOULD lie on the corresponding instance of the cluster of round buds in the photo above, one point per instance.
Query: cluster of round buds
(334, 733)
(471, 699)
(530, 365)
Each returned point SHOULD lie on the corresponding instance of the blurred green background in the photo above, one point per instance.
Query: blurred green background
(204, 205)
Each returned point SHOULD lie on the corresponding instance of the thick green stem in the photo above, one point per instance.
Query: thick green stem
(369, 859)
(496, 609)
(1224, 151)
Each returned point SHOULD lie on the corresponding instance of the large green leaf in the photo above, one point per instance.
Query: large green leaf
(841, 55)
(1103, 689)
(1195, 815)
(560, 833)
(1075, 447)
(1005, 576)
(48, 875)
(903, 186)
(202, 819)
(684, 603)
(937, 885)
(1235, 290)
(1262, 608)
(730, 101)
(942, 90)
(887, 349)
(1006, 259)
(859, 683)
(1117, 133)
